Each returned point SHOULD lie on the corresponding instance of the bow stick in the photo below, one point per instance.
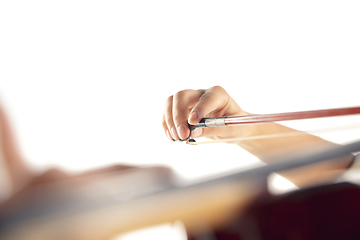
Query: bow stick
(273, 117)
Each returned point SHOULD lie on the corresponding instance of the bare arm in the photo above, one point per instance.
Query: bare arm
(190, 106)
(18, 172)
(304, 176)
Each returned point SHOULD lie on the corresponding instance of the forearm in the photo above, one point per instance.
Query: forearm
(292, 141)
(17, 170)
(190, 106)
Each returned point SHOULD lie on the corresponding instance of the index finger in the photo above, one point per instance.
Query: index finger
(211, 104)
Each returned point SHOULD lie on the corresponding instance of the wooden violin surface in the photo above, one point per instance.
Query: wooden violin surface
(75, 212)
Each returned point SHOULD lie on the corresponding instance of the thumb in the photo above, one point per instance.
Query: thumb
(210, 104)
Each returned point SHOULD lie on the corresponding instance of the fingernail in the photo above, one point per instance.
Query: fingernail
(197, 132)
(174, 134)
(182, 132)
(193, 117)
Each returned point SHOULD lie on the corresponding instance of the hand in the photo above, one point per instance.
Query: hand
(56, 197)
(190, 106)
(53, 176)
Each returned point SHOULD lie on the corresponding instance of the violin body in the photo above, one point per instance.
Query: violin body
(85, 209)
(328, 212)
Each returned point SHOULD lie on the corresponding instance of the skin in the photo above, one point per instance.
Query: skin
(19, 173)
(23, 178)
(190, 106)
(187, 106)
(25, 183)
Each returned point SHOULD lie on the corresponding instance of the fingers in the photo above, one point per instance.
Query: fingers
(183, 102)
(190, 106)
(159, 170)
(168, 122)
(51, 175)
(108, 169)
(213, 103)
(210, 104)
(177, 109)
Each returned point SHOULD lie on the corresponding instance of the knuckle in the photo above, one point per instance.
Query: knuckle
(181, 94)
(217, 88)
(169, 99)
(206, 96)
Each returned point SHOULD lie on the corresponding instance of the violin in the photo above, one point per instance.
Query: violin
(78, 210)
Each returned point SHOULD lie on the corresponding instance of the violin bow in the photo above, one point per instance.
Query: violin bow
(267, 118)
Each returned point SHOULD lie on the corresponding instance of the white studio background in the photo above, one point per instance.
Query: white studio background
(84, 82)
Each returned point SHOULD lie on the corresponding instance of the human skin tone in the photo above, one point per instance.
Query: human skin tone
(190, 106)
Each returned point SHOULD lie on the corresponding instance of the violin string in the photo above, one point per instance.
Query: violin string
(318, 131)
